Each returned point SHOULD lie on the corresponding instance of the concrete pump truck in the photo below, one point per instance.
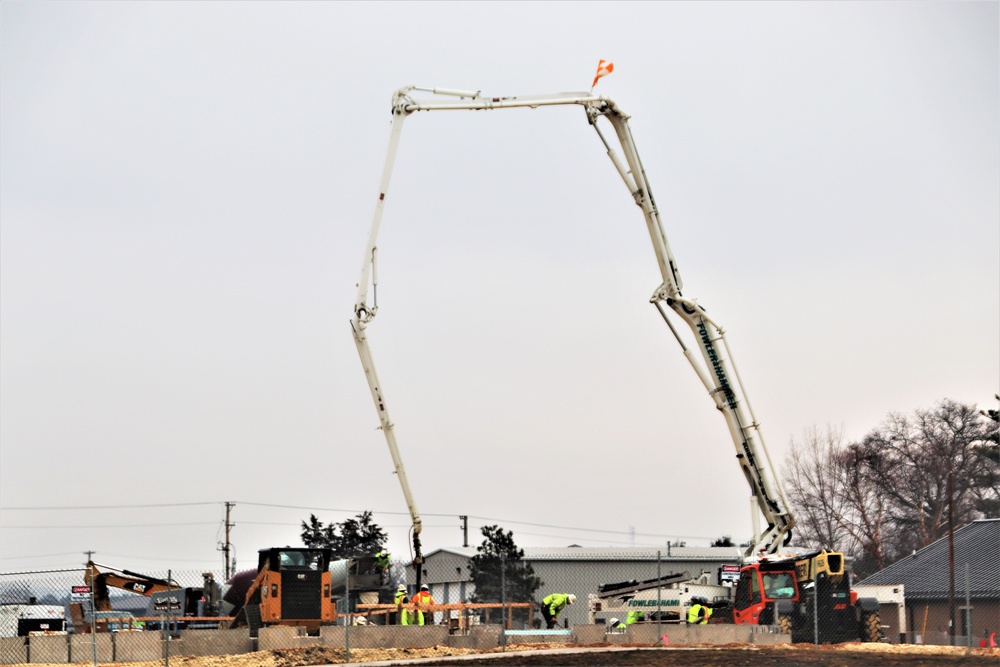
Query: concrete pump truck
(808, 594)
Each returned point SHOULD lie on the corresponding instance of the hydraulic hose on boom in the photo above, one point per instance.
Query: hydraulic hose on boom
(713, 364)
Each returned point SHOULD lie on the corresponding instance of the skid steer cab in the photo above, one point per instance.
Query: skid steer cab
(292, 587)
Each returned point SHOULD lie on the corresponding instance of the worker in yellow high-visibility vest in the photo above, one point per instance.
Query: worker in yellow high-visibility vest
(700, 612)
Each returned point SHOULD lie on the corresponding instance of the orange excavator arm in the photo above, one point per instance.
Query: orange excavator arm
(103, 579)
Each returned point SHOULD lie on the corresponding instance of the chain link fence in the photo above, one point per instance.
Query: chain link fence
(673, 596)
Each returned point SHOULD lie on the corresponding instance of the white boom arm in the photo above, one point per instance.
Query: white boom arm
(713, 366)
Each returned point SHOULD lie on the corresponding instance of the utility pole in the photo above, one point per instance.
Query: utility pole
(465, 529)
(951, 558)
(227, 546)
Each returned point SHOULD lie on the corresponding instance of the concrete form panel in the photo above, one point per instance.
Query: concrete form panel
(281, 636)
(81, 647)
(138, 646)
(13, 651)
(212, 642)
(48, 648)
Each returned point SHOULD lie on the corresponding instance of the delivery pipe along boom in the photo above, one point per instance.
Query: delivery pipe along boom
(713, 365)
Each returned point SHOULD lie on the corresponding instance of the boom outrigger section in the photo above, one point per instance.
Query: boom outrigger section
(713, 368)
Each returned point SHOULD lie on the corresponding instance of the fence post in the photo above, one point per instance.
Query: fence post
(347, 618)
(659, 608)
(503, 601)
(166, 660)
(968, 611)
(816, 610)
(93, 615)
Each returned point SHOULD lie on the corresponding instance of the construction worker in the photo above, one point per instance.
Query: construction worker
(635, 617)
(700, 612)
(402, 615)
(422, 600)
(614, 625)
(552, 605)
(381, 565)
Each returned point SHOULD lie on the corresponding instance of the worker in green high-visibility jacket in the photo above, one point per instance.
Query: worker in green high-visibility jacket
(403, 616)
(552, 605)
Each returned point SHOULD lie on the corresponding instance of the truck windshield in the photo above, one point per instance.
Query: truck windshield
(779, 585)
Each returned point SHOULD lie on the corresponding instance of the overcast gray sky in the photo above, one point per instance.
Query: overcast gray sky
(186, 190)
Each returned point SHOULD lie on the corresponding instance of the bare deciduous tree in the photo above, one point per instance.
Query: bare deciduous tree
(814, 490)
(880, 498)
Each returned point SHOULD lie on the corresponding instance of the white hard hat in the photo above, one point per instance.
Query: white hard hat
(401, 588)
(572, 598)
(362, 620)
(424, 588)
(612, 621)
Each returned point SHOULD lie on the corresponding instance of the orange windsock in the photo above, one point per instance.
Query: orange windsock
(603, 69)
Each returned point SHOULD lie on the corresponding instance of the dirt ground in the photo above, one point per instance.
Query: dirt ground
(556, 655)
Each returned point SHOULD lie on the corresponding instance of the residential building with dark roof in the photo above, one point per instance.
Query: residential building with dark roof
(926, 576)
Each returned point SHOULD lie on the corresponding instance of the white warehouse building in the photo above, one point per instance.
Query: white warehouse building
(577, 570)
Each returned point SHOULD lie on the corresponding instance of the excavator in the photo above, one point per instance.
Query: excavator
(815, 585)
(185, 601)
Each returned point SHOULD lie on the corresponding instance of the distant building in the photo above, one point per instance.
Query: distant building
(925, 576)
(578, 570)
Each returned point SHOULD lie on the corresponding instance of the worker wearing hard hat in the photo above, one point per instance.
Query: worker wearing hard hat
(423, 599)
(381, 564)
(552, 605)
(404, 616)
(616, 626)
(700, 612)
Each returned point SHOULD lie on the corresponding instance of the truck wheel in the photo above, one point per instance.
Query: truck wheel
(871, 627)
(785, 623)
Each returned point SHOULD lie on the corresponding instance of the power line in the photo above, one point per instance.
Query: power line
(102, 507)
(115, 525)
(341, 510)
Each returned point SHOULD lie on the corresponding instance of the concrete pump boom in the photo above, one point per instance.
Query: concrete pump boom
(714, 366)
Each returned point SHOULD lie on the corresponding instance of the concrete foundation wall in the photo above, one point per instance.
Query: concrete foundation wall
(280, 636)
(212, 642)
(646, 633)
(13, 651)
(141, 646)
(138, 646)
(48, 648)
(81, 648)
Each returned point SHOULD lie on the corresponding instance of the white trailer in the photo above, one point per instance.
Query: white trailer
(665, 600)
(20, 620)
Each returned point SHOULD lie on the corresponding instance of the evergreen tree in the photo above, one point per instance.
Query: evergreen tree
(499, 573)
(352, 538)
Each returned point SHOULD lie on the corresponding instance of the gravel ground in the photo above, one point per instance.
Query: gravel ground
(601, 655)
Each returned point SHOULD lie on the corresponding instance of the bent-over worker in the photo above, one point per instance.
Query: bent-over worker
(552, 605)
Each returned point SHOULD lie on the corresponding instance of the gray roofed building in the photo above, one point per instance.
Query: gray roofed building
(925, 573)
(578, 570)
(926, 577)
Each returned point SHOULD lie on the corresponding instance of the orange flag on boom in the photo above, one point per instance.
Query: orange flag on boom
(603, 69)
